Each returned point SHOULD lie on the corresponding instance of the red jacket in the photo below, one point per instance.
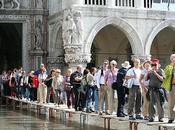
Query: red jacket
(35, 82)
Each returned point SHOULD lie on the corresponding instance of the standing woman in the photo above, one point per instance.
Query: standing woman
(68, 88)
(144, 85)
(110, 77)
(57, 85)
(48, 83)
(169, 85)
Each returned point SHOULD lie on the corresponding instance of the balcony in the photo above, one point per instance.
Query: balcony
(163, 5)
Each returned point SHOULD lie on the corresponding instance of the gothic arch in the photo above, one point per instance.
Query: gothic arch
(121, 24)
(54, 33)
(167, 23)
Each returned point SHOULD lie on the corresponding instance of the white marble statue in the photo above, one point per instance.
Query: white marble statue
(68, 30)
(79, 27)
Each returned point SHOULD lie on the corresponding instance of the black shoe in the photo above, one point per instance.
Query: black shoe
(170, 121)
(160, 120)
(124, 114)
(151, 119)
(121, 115)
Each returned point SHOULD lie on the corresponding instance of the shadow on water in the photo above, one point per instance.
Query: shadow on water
(24, 120)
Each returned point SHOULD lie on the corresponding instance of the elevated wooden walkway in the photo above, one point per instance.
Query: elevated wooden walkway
(64, 113)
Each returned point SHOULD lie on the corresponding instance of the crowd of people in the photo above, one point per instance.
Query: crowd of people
(143, 86)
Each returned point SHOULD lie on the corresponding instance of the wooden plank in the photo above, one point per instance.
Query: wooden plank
(168, 125)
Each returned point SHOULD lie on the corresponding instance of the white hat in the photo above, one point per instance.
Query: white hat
(126, 64)
(113, 62)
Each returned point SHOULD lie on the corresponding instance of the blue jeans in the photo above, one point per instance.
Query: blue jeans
(27, 93)
(89, 95)
(96, 95)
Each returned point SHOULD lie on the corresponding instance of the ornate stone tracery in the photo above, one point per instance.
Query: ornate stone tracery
(9, 4)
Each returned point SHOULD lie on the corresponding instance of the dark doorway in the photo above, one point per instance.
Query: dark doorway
(10, 45)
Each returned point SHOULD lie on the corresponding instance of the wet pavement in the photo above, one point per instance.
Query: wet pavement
(24, 120)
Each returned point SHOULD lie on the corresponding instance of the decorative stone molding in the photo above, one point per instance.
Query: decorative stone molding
(77, 58)
(55, 60)
(37, 52)
(72, 49)
(142, 58)
(11, 4)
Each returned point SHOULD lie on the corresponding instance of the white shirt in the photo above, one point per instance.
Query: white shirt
(100, 78)
(145, 73)
(132, 72)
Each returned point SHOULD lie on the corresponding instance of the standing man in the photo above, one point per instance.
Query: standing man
(134, 99)
(169, 85)
(103, 88)
(75, 80)
(156, 93)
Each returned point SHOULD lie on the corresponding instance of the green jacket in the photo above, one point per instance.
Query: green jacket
(167, 82)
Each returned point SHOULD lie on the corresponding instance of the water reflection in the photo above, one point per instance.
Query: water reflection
(24, 120)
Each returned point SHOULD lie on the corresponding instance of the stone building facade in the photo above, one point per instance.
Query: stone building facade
(64, 33)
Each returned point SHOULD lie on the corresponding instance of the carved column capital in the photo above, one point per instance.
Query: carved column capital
(77, 58)
(142, 57)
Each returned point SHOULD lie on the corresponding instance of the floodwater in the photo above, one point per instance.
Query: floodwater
(24, 120)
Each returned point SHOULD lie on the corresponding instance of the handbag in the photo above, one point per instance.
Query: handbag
(129, 83)
(114, 85)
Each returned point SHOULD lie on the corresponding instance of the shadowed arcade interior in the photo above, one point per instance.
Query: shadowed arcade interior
(10, 45)
(163, 45)
(110, 43)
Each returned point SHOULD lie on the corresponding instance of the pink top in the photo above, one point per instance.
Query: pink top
(111, 76)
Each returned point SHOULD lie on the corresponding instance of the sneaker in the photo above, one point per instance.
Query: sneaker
(170, 121)
(132, 117)
(139, 117)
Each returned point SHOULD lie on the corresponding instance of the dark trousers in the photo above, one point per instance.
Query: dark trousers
(76, 91)
(33, 94)
(121, 100)
(70, 97)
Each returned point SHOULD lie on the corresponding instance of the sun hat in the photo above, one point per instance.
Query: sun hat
(126, 64)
